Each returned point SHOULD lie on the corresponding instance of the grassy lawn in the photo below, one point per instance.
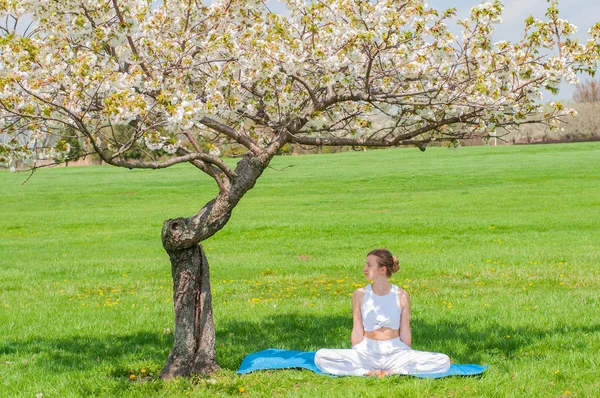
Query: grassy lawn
(499, 249)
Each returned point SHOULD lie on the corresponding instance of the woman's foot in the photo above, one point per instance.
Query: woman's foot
(382, 374)
(378, 373)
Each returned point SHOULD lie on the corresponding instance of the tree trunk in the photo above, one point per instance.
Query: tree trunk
(194, 348)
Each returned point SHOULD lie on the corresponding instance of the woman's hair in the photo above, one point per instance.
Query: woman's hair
(386, 259)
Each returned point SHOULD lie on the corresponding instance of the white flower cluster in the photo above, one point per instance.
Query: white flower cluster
(154, 141)
(60, 152)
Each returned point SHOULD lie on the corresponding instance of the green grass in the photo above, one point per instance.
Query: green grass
(498, 248)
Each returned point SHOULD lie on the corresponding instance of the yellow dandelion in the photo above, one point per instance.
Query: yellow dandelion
(241, 390)
(143, 370)
(556, 372)
(132, 376)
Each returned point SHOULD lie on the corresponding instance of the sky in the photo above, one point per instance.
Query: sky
(581, 13)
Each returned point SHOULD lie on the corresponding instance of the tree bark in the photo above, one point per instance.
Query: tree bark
(194, 345)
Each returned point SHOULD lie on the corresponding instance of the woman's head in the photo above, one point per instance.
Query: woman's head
(384, 258)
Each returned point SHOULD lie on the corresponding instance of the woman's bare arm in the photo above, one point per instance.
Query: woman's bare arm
(405, 333)
(357, 328)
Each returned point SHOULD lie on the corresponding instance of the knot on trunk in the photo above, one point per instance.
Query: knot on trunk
(179, 234)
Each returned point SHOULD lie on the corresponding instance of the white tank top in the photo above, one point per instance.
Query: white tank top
(380, 311)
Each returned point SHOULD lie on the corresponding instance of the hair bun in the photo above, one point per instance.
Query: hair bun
(396, 265)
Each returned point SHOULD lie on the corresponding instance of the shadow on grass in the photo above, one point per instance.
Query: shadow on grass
(462, 342)
(116, 355)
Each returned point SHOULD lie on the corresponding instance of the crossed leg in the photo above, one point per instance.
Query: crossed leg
(343, 362)
(416, 362)
(356, 362)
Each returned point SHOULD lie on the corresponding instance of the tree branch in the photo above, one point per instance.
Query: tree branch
(231, 133)
(130, 40)
(403, 139)
(135, 164)
(300, 80)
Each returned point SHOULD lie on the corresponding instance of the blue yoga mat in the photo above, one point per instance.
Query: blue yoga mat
(273, 358)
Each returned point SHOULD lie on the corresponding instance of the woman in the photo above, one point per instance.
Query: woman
(381, 336)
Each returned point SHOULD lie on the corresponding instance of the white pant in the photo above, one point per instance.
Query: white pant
(392, 356)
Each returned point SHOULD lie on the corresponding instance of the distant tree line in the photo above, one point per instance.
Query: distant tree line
(585, 126)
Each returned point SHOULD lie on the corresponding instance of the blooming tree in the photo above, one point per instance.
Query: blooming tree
(179, 79)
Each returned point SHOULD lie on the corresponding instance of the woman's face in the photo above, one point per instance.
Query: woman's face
(371, 270)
